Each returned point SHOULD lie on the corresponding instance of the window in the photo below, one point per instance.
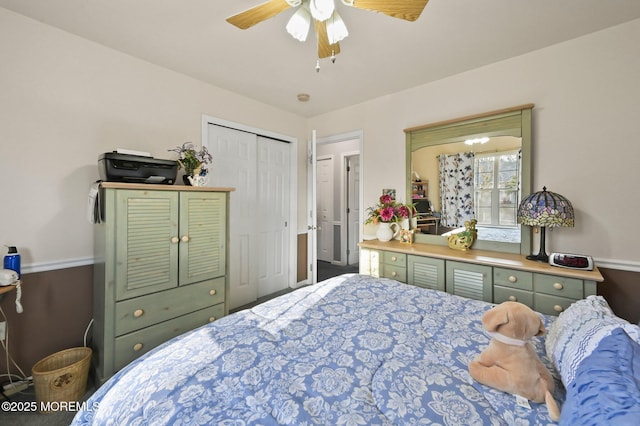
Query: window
(497, 188)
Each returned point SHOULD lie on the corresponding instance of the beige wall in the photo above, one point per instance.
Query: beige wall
(64, 101)
(585, 143)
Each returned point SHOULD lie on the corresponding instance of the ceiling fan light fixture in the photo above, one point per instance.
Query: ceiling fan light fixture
(321, 10)
(336, 29)
(299, 24)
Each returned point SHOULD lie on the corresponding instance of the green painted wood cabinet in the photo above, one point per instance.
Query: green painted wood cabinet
(479, 274)
(160, 270)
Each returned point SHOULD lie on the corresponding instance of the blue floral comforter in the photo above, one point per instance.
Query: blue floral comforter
(352, 350)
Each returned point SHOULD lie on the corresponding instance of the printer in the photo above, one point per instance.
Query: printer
(120, 167)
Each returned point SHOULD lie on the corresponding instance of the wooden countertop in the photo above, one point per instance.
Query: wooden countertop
(482, 257)
(158, 187)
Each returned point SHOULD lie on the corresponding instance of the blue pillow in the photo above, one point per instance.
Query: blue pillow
(606, 389)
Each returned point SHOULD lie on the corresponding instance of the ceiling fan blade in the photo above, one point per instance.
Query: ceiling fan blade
(408, 10)
(324, 48)
(257, 14)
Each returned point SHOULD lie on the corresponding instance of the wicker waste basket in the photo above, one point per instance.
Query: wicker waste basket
(61, 377)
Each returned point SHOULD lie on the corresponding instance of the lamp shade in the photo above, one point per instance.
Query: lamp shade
(321, 10)
(336, 29)
(299, 24)
(546, 208)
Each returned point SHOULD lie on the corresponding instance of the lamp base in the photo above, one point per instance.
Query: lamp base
(540, 257)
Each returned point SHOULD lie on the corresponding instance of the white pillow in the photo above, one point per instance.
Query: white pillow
(577, 332)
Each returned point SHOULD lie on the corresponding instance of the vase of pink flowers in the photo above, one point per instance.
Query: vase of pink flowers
(386, 214)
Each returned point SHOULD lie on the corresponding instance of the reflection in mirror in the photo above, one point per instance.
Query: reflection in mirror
(476, 167)
(461, 181)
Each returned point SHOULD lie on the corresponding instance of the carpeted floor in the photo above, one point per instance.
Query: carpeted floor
(328, 270)
(20, 410)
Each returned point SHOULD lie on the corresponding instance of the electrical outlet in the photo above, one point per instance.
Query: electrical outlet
(3, 330)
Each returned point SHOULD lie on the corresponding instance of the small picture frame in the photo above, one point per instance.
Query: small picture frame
(407, 236)
(391, 192)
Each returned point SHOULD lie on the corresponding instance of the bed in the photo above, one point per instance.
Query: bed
(351, 350)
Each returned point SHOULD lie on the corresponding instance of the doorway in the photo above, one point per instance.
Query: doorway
(338, 188)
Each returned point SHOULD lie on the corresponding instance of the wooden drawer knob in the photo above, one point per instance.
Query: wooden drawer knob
(137, 347)
(212, 292)
(558, 286)
(513, 298)
(393, 258)
(394, 273)
(212, 319)
(185, 238)
(558, 308)
(513, 279)
(175, 240)
(138, 313)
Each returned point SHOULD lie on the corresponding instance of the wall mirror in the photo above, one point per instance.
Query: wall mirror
(472, 167)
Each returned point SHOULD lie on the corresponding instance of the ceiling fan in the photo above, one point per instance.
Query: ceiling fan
(328, 25)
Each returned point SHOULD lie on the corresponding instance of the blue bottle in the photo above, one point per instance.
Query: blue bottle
(12, 260)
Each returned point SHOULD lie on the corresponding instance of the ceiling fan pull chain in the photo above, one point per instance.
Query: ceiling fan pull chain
(318, 65)
(333, 56)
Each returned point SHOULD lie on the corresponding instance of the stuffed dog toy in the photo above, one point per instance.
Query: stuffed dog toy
(510, 362)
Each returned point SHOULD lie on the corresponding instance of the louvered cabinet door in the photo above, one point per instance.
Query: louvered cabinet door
(470, 280)
(202, 236)
(146, 242)
(426, 272)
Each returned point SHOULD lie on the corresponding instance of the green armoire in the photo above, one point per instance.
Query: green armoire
(161, 267)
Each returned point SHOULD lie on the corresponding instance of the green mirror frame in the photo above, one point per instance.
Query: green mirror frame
(514, 121)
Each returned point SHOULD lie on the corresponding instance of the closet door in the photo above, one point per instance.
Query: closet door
(258, 169)
(273, 225)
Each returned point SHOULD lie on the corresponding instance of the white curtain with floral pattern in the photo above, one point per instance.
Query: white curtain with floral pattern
(456, 189)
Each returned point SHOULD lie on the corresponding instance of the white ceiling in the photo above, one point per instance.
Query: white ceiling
(382, 55)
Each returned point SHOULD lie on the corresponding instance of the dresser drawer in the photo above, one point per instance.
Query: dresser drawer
(512, 278)
(558, 286)
(504, 294)
(551, 305)
(132, 345)
(392, 258)
(140, 312)
(398, 273)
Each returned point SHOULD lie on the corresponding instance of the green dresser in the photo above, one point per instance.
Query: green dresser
(479, 274)
(161, 267)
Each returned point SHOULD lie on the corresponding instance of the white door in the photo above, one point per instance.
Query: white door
(236, 164)
(325, 208)
(353, 209)
(271, 215)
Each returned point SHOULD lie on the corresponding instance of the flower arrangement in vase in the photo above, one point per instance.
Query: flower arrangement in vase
(386, 214)
(193, 161)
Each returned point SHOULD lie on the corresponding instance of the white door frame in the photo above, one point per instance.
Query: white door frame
(293, 190)
(344, 220)
(312, 218)
(326, 235)
(357, 134)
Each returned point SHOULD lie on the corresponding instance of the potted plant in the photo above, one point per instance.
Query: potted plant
(192, 160)
(387, 213)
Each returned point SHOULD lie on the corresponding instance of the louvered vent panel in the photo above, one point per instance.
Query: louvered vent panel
(468, 284)
(205, 245)
(425, 275)
(148, 242)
